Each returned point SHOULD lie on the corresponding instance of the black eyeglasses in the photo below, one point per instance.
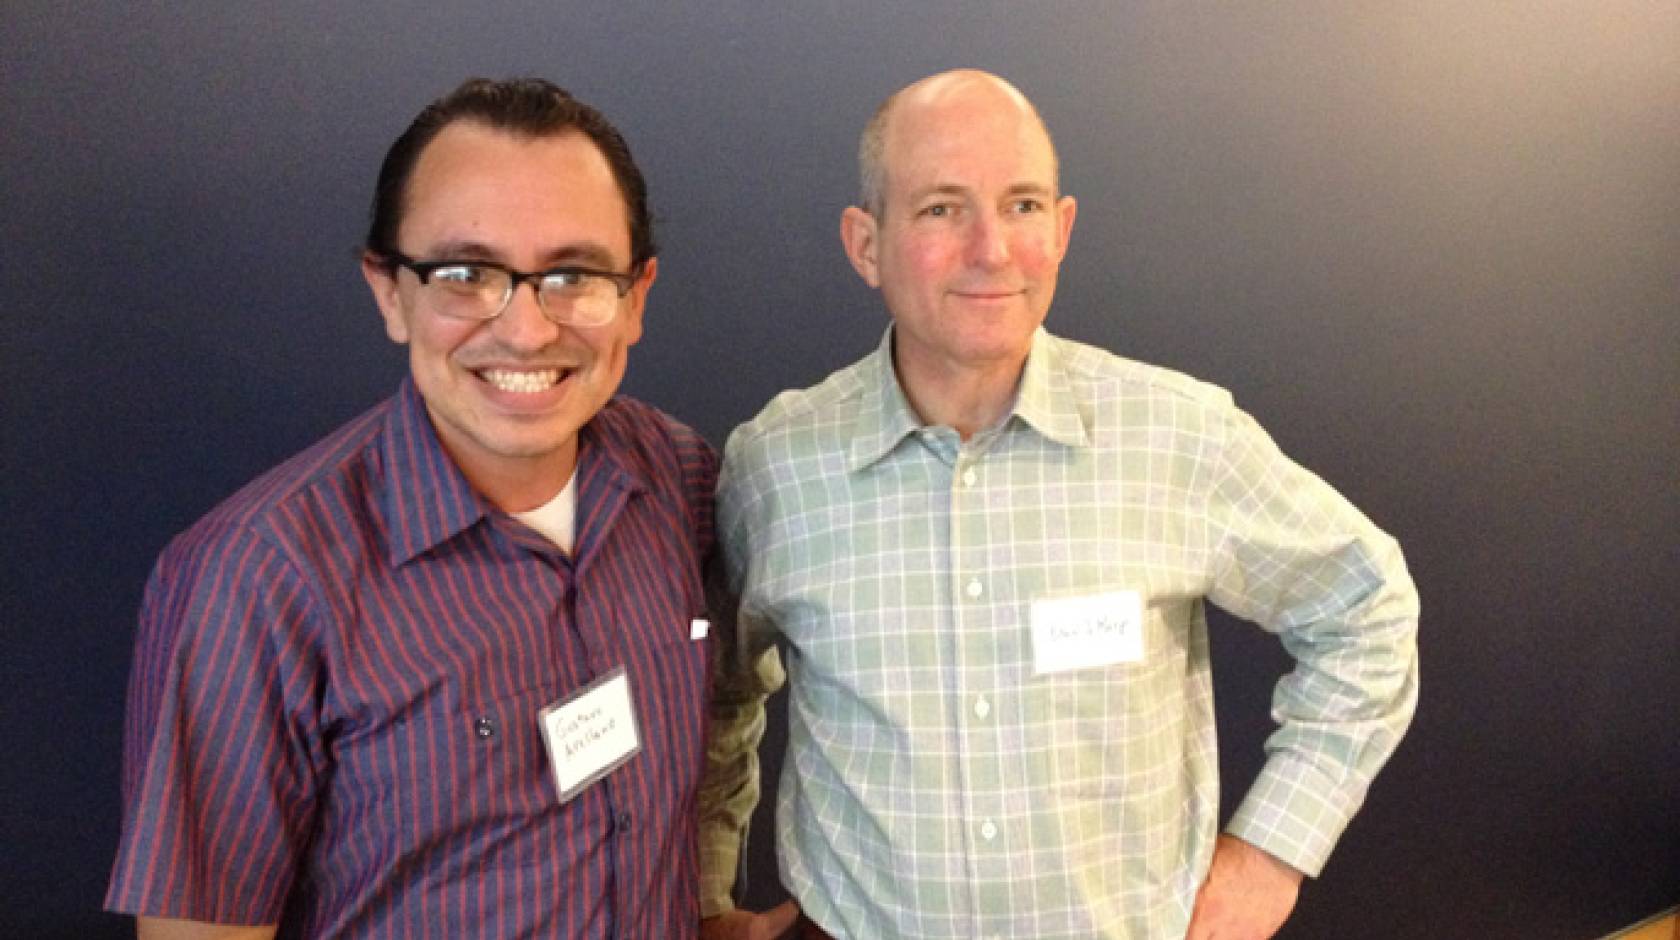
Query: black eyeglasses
(480, 290)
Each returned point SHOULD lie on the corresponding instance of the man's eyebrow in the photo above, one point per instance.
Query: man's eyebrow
(584, 254)
(939, 189)
(954, 189)
(1029, 189)
(462, 251)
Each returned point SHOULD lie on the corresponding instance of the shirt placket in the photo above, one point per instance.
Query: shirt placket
(591, 620)
(979, 589)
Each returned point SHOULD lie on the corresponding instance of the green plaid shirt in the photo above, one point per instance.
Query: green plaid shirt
(935, 786)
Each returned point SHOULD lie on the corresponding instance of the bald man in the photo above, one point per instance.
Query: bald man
(988, 552)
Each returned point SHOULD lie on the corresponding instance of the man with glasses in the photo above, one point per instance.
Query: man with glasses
(444, 674)
(988, 550)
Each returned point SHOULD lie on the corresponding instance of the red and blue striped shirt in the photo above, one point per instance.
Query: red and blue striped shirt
(332, 720)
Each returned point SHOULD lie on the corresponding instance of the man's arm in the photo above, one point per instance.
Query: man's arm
(1294, 556)
(220, 751)
(746, 669)
(729, 788)
(1248, 894)
(168, 928)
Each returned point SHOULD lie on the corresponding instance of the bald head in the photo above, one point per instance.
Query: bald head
(958, 88)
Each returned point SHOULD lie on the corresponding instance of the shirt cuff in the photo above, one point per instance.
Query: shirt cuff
(718, 860)
(1296, 812)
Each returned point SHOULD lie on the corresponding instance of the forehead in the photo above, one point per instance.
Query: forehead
(972, 136)
(514, 193)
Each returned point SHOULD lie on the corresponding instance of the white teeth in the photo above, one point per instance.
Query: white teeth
(526, 382)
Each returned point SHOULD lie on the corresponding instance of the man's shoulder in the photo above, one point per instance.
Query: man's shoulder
(627, 421)
(651, 443)
(637, 431)
(824, 411)
(1097, 372)
(287, 500)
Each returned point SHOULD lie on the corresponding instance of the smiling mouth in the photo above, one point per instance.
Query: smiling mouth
(523, 382)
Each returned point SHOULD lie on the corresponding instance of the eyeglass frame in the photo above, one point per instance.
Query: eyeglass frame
(622, 281)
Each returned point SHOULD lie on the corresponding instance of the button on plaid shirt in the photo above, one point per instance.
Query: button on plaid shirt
(934, 785)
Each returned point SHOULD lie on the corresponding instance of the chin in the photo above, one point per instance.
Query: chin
(1000, 348)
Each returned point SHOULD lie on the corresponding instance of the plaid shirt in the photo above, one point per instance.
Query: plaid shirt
(935, 786)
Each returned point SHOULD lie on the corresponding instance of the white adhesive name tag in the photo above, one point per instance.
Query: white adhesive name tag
(591, 734)
(1091, 630)
(698, 628)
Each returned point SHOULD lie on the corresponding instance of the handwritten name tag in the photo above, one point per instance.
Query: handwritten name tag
(1090, 630)
(591, 734)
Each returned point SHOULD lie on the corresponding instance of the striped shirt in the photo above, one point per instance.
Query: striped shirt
(937, 784)
(333, 712)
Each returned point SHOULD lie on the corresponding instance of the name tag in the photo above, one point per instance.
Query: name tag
(591, 734)
(1092, 630)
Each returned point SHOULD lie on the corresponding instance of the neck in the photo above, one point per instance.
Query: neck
(968, 398)
(518, 484)
(511, 496)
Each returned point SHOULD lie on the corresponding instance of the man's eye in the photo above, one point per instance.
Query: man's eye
(564, 279)
(938, 210)
(1028, 206)
(459, 275)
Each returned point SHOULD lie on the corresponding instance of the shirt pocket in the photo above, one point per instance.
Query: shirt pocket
(670, 675)
(451, 781)
(1119, 728)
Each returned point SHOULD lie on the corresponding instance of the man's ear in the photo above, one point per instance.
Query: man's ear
(1066, 209)
(382, 280)
(638, 300)
(860, 234)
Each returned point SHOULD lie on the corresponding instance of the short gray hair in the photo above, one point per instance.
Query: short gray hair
(872, 170)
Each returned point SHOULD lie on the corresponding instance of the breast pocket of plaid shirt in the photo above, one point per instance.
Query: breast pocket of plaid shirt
(1119, 728)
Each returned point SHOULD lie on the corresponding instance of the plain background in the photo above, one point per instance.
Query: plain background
(1433, 246)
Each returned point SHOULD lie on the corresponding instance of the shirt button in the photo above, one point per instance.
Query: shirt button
(485, 728)
(624, 822)
(982, 707)
(969, 476)
(974, 588)
(988, 830)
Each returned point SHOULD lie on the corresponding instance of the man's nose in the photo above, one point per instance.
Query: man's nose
(988, 242)
(522, 323)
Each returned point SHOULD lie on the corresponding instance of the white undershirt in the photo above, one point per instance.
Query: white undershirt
(557, 518)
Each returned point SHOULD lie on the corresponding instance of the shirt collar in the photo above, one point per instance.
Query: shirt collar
(1044, 401)
(606, 478)
(884, 416)
(427, 499)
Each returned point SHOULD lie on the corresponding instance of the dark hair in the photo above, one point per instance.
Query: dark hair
(528, 106)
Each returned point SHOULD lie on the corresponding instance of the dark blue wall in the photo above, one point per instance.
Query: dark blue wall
(1434, 246)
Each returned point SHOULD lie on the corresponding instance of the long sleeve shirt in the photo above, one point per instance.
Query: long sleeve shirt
(939, 781)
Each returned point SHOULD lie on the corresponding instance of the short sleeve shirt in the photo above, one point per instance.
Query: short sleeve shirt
(333, 712)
